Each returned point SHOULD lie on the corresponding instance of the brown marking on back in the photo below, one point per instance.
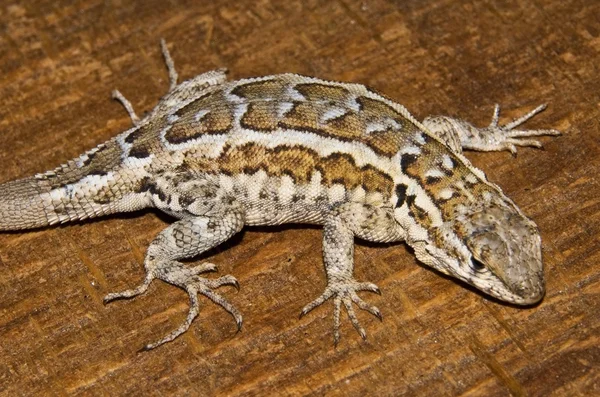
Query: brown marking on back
(217, 120)
(297, 162)
(303, 116)
(347, 126)
(430, 158)
(264, 99)
(106, 158)
(418, 213)
(143, 139)
(375, 180)
(385, 143)
(373, 108)
(339, 168)
(319, 92)
(140, 148)
(260, 116)
(274, 88)
(294, 161)
(306, 116)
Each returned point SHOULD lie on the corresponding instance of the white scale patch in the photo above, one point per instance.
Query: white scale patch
(424, 201)
(81, 160)
(353, 104)
(134, 162)
(445, 194)
(447, 162)
(286, 189)
(487, 196)
(283, 108)
(336, 193)
(333, 113)
(358, 195)
(434, 173)
(239, 109)
(125, 146)
(375, 199)
(314, 186)
(383, 125)
(471, 178)
(294, 95)
(415, 232)
(200, 114)
(374, 127)
(411, 150)
(172, 118)
(255, 184)
(419, 138)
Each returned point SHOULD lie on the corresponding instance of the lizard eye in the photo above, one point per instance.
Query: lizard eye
(477, 265)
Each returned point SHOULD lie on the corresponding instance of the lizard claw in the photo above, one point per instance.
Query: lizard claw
(505, 137)
(345, 293)
(187, 278)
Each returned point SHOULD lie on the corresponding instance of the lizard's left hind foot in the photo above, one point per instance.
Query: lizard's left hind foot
(178, 274)
(184, 239)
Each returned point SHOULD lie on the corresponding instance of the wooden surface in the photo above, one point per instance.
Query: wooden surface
(59, 61)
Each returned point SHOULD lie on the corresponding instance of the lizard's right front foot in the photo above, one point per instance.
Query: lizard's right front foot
(178, 274)
(344, 292)
(506, 137)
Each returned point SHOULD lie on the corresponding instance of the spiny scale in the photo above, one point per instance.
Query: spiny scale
(220, 155)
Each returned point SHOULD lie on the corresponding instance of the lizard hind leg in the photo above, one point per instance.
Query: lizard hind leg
(173, 76)
(184, 239)
(176, 92)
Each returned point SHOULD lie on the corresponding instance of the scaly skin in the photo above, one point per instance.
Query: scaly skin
(220, 155)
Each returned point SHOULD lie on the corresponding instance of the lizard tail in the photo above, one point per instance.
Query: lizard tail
(34, 202)
(94, 184)
(21, 205)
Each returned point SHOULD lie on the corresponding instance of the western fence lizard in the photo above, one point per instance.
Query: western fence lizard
(219, 155)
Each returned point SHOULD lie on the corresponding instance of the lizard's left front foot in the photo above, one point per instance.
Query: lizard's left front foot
(505, 137)
(344, 292)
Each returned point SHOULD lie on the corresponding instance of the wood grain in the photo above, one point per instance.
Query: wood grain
(59, 62)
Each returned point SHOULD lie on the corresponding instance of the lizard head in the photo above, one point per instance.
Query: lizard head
(495, 248)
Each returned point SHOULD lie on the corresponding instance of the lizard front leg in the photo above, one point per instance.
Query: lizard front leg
(187, 238)
(459, 134)
(341, 225)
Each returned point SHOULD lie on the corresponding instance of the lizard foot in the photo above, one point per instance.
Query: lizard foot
(344, 292)
(178, 274)
(505, 137)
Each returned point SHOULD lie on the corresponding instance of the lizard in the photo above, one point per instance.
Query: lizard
(218, 155)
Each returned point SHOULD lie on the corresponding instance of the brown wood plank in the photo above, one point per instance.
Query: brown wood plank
(59, 61)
